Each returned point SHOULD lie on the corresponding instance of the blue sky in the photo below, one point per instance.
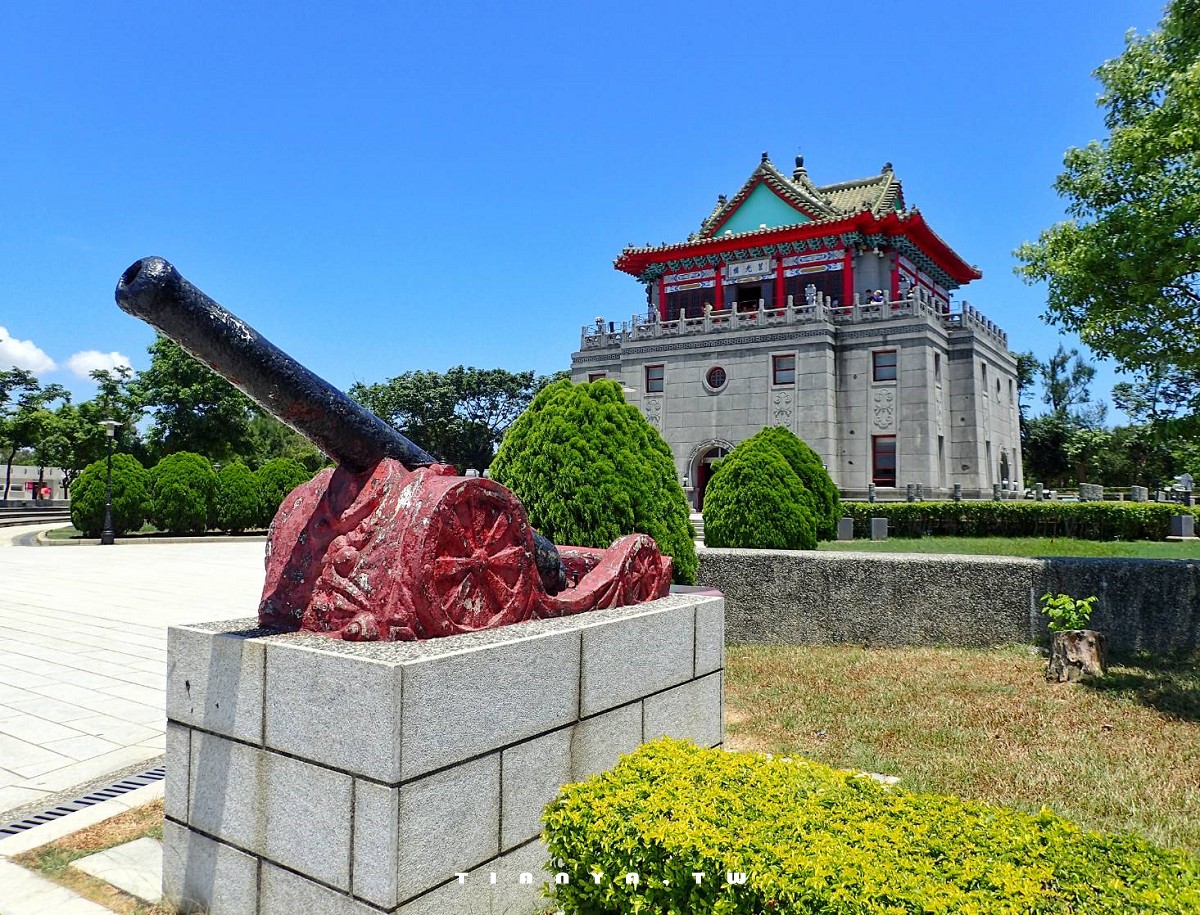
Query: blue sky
(386, 186)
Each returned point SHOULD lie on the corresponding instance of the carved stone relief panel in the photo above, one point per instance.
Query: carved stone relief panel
(781, 409)
(653, 410)
(883, 409)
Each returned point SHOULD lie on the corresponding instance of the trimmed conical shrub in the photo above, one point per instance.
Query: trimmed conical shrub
(237, 498)
(183, 484)
(130, 496)
(276, 478)
(756, 501)
(826, 507)
(590, 469)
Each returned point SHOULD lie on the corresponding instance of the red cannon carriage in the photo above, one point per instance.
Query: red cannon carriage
(390, 544)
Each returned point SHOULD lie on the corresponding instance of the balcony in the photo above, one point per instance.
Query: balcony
(603, 334)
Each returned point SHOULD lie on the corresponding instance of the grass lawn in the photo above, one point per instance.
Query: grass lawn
(1121, 754)
(52, 861)
(1023, 546)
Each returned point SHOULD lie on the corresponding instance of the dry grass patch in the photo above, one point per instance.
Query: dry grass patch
(1119, 754)
(53, 860)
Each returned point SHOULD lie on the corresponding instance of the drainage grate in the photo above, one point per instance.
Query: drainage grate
(95, 797)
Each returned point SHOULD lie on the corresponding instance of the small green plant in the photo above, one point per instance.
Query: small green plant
(1066, 612)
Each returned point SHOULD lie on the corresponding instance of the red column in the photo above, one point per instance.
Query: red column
(895, 280)
(662, 299)
(719, 297)
(779, 299)
(848, 280)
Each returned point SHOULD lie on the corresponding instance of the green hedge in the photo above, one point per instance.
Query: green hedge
(810, 839)
(1085, 520)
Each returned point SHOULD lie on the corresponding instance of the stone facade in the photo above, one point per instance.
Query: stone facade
(825, 309)
(952, 406)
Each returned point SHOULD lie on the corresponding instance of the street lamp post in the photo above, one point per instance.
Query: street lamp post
(108, 536)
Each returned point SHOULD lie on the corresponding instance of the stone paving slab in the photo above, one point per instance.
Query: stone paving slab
(135, 867)
(83, 651)
(22, 892)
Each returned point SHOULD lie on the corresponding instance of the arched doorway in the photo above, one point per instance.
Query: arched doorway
(703, 470)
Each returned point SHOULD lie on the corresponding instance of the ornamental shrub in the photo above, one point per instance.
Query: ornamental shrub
(182, 486)
(130, 496)
(1085, 520)
(755, 500)
(825, 502)
(276, 479)
(237, 497)
(590, 469)
(792, 836)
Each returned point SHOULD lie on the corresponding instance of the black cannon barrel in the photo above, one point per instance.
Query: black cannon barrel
(153, 290)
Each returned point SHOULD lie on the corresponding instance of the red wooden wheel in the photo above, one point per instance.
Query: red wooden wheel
(642, 572)
(477, 558)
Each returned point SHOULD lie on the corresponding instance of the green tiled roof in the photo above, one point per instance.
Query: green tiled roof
(878, 194)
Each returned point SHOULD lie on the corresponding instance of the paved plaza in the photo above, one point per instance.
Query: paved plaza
(83, 652)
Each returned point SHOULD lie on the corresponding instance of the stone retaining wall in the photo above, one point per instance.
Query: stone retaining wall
(784, 597)
(311, 775)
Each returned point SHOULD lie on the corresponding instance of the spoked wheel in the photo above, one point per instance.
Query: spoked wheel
(641, 570)
(477, 563)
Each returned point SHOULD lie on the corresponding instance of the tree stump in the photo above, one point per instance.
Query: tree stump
(1075, 654)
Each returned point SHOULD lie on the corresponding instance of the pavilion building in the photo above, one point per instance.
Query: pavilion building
(826, 309)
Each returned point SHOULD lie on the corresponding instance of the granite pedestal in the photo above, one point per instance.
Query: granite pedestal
(311, 774)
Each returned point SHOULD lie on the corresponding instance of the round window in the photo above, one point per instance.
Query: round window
(716, 378)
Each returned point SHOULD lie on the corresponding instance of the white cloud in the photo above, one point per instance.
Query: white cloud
(23, 354)
(83, 364)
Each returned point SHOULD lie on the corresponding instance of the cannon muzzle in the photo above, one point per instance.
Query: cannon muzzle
(153, 290)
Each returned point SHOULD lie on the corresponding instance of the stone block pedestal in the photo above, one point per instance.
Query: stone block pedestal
(311, 774)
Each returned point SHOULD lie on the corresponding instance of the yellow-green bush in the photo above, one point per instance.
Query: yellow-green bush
(810, 839)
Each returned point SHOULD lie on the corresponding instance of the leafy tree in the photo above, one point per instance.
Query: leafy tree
(460, 416)
(1086, 449)
(1124, 271)
(276, 478)
(130, 496)
(182, 487)
(1027, 372)
(1066, 382)
(755, 500)
(194, 408)
(1044, 450)
(1059, 448)
(823, 500)
(237, 500)
(73, 437)
(590, 469)
(270, 438)
(24, 418)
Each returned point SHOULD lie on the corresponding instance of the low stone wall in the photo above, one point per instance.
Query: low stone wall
(785, 597)
(306, 774)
